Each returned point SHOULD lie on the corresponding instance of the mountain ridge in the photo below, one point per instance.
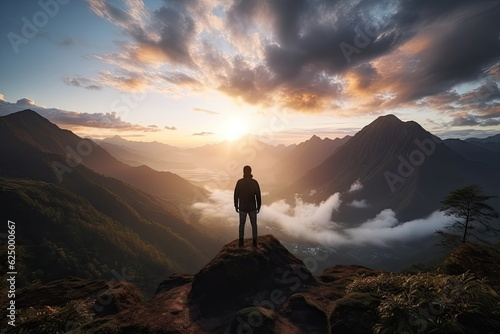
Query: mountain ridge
(153, 234)
(30, 127)
(400, 165)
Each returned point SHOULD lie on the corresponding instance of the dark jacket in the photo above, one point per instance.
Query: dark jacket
(247, 194)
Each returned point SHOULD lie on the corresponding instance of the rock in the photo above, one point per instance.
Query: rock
(249, 276)
(355, 313)
(305, 314)
(174, 281)
(255, 320)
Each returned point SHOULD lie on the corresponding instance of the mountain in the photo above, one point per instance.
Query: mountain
(399, 165)
(487, 152)
(156, 155)
(28, 127)
(268, 290)
(490, 139)
(88, 224)
(219, 163)
(491, 143)
(229, 158)
(306, 155)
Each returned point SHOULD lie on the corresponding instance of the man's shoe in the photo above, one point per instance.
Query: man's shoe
(254, 243)
(240, 243)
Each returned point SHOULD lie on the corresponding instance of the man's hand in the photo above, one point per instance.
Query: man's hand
(258, 210)
(236, 208)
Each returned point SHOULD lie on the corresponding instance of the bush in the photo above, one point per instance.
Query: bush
(55, 319)
(427, 303)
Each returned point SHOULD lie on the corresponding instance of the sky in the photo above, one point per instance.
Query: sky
(191, 72)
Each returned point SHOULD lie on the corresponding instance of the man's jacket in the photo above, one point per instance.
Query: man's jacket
(247, 194)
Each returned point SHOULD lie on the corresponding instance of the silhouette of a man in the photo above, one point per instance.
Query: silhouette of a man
(247, 200)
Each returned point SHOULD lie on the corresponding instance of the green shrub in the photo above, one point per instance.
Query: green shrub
(432, 303)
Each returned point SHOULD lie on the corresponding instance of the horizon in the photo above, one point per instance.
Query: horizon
(201, 72)
(263, 139)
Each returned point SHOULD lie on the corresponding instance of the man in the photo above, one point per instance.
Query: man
(247, 200)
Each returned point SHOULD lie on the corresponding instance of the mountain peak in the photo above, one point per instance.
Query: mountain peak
(388, 119)
(244, 272)
(31, 121)
(315, 138)
(24, 114)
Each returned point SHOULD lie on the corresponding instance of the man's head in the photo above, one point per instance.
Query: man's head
(247, 170)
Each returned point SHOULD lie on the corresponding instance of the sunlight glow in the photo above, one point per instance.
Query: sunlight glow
(234, 129)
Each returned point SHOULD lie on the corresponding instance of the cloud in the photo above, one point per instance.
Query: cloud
(109, 120)
(476, 107)
(312, 56)
(355, 186)
(360, 204)
(25, 102)
(206, 111)
(313, 222)
(204, 133)
(170, 128)
(385, 229)
(82, 82)
(66, 42)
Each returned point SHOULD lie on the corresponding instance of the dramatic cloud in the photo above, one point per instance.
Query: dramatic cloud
(343, 57)
(109, 120)
(313, 222)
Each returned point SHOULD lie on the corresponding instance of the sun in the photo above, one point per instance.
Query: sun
(234, 129)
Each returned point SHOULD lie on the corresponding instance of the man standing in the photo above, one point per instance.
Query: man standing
(247, 200)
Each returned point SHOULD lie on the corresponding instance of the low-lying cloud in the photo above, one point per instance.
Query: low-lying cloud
(311, 222)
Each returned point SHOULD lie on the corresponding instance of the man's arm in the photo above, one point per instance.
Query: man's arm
(236, 196)
(257, 196)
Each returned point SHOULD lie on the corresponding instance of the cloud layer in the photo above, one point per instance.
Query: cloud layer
(313, 223)
(344, 57)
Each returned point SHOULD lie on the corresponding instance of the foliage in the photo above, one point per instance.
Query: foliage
(432, 303)
(468, 205)
(55, 319)
(60, 234)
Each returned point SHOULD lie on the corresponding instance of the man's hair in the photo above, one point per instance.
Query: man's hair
(247, 170)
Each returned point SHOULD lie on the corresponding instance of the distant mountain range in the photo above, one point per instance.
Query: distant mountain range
(400, 166)
(304, 156)
(73, 218)
(69, 193)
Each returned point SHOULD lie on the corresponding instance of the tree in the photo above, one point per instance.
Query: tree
(468, 205)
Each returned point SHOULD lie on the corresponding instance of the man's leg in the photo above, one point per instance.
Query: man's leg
(243, 218)
(253, 221)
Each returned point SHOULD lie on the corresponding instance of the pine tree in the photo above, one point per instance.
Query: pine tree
(468, 205)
